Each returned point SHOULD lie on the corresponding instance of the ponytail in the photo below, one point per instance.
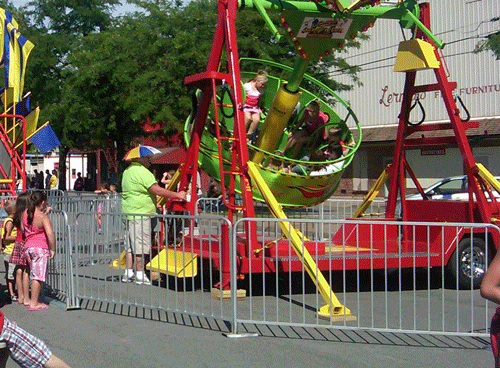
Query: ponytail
(36, 198)
(21, 204)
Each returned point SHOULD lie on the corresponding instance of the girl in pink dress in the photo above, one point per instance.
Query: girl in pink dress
(39, 245)
(251, 109)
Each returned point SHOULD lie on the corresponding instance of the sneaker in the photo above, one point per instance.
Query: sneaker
(142, 280)
(128, 278)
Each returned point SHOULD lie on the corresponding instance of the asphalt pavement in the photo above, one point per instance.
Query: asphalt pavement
(105, 335)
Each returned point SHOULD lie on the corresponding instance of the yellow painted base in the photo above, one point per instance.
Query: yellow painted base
(226, 294)
(120, 262)
(415, 54)
(347, 248)
(339, 314)
(175, 262)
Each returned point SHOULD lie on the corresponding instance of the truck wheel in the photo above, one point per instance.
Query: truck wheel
(470, 264)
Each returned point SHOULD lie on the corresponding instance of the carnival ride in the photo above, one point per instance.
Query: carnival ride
(216, 138)
(17, 121)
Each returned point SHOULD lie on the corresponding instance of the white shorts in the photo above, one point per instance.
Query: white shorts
(139, 235)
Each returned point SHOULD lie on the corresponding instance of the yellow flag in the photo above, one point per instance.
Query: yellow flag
(15, 62)
(31, 122)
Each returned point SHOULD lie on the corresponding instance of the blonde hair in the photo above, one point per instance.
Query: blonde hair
(9, 206)
(261, 74)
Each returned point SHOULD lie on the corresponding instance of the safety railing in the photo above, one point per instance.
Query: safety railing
(177, 275)
(332, 209)
(60, 271)
(383, 276)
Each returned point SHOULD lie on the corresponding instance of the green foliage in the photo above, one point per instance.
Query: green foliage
(72, 17)
(492, 43)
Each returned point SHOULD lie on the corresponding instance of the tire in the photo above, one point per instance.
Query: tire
(470, 264)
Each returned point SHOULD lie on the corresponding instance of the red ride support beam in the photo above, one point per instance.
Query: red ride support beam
(397, 169)
(396, 184)
(224, 39)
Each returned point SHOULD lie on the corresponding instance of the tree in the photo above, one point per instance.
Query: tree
(492, 43)
(56, 28)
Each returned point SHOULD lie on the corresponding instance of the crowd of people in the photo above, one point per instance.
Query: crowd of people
(38, 181)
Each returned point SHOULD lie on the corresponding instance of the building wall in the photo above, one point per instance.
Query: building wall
(461, 25)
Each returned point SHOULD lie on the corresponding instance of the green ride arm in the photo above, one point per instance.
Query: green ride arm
(257, 4)
(439, 44)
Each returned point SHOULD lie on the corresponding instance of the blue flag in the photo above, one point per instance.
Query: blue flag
(44, 138)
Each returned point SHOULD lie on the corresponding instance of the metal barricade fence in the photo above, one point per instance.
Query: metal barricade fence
(332, 209)
(59, 282)
(383, 290)
(100, 243)
(404, 289)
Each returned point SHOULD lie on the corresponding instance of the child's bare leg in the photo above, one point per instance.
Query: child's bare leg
(301, 139)
(10, 286)
(248, 118)
(254, 121)
(6, 264)
(36, 287)
(26, 286)
(55, 362)
(18, 277)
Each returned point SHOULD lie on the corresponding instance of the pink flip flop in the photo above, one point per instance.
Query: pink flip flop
(38, 307)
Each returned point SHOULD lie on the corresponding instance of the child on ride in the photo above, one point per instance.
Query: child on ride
(39, 244)
(251, 109)
(312, 119)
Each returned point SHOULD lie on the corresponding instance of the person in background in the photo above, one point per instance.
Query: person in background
(19, 183)
(47, 179)
(213, 190)
(78, 186)
(139, 191)
(34, 180)
(103, 188)
(54, 181)
(40, 183)
(166, 177)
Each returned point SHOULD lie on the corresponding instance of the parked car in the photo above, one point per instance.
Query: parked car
(453, 188)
